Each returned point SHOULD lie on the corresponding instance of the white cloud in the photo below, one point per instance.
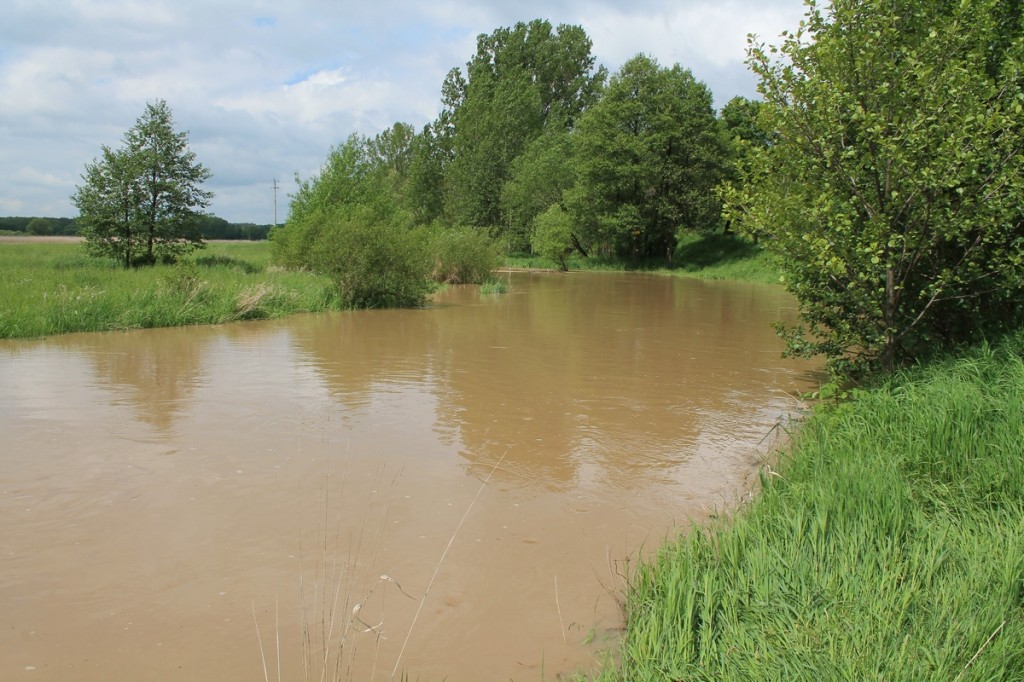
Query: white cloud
(265, 89)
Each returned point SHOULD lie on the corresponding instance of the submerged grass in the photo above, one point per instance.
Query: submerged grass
(889, 545)
(54, 288)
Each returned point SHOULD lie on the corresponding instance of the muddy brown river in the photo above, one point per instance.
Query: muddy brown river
(450, 493)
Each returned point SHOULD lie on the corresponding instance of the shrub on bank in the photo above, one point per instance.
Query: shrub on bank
(461, 254)
(374, 264)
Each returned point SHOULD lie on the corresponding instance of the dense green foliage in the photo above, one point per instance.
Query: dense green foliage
(522, 81)
(141, 202)
(55, 288)
(532, 149)
(210, 227)
(889, 545)
(19, 225)
(894, 185)
(351, 222)
(39, 227)
(538, 180)
(552, 236)
(648, 156)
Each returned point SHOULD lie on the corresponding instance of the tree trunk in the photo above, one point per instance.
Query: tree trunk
(579, 247)
(889, 316)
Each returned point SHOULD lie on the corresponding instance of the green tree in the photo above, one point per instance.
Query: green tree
(428, 158)
(743, 134)
(552, 235)
(108, 205)
(143, 201)
(39, 226)
(390, 157)
(739, 122)
(342, 181)
(521, 80)
(539, 178)
(649, 156)
(894, 189)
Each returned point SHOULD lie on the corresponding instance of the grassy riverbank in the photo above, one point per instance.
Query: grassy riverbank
(54, 288)
(888, 545)
(51, 287)
(716, 256)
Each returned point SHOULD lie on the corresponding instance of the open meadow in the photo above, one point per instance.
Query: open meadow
(50, 286)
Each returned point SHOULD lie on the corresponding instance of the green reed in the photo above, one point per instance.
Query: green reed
(54, 288)
(888, 545)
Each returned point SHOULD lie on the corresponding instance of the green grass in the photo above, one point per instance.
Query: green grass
(889, 545)
(723, 256)
(54, 288)
(494, 285)
(716, 256)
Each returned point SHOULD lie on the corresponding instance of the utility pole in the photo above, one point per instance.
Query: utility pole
(275, 202)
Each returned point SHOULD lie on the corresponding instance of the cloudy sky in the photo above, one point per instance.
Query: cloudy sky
(266, 88)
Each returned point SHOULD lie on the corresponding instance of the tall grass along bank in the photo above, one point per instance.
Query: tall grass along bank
(54, 288)
(888, 545)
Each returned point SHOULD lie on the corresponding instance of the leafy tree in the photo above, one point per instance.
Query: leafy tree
(142, 202)
(552, 235)
(342, 181)
(739, 121)
(521, 80)
(894, 189)
(538, 179)
(108, 205)
(390, 157)
(39, 226)
(743, 133)
(649, 156)
(425, 189)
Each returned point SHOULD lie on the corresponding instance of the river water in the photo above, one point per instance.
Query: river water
(452, 493)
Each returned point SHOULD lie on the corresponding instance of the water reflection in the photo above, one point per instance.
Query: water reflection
(154, 373)
(615, 404)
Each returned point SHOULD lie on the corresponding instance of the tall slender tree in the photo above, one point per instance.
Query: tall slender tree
(521, 80)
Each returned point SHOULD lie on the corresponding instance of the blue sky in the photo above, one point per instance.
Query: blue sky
(266, 88)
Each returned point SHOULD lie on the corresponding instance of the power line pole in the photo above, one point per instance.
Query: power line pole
(275, 202)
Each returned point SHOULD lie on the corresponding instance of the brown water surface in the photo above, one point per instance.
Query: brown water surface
(463, 487)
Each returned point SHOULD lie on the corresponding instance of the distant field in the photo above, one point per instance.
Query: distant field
(39, 240)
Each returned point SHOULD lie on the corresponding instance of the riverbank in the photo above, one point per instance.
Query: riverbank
(712, 256)
(50, 286)
(888, 544)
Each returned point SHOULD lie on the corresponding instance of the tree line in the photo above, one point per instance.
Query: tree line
(536, 149)
(38, 225)
(210, 227)
(539, 148)
(881, 166)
